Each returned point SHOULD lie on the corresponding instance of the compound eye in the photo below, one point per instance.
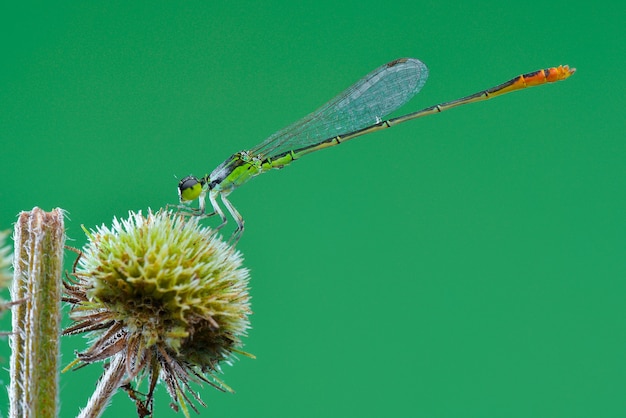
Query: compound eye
(189, 188)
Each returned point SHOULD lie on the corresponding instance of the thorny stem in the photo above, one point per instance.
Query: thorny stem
(108, 384)
(36, 293)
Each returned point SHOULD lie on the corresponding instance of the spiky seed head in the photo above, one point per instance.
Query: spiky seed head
(168, 294)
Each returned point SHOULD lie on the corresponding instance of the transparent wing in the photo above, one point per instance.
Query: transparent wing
(365, 103)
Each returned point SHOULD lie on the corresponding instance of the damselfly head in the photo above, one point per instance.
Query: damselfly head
(189, 188)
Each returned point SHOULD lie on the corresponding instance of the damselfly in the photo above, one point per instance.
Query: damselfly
(357, 111)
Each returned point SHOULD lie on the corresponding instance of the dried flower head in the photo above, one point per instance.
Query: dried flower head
(164, 295)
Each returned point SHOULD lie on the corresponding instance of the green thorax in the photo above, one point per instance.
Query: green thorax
(241, 167)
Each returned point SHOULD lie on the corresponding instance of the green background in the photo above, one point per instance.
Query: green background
(469, 264)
